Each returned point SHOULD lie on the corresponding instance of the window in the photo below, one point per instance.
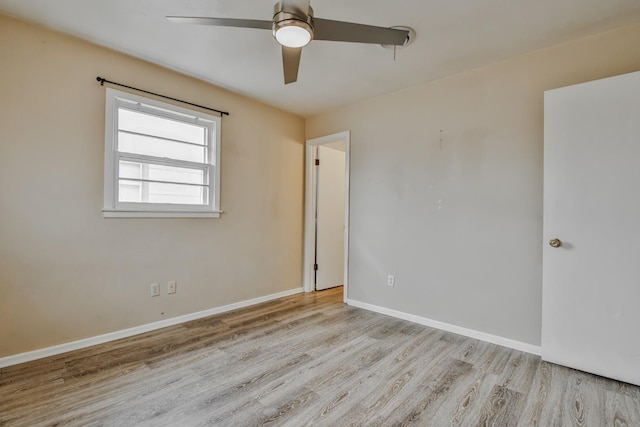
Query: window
(160, 160)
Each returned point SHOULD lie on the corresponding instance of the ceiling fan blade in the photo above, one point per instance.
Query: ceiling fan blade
(222, 22)
(301, 6)
(338, 31)
(290, 63)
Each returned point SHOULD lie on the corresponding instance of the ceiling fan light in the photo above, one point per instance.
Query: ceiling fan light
(293, 33)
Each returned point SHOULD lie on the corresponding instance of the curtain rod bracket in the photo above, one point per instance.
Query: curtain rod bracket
(102, 81)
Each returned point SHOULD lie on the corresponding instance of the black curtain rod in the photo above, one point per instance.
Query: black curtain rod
(103, 81)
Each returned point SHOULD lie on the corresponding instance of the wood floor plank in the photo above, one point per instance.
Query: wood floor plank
(431, 390)
(538, 398)
(502, 408)
(582, 402)
(519, 372)
(340, 393)
(307, 359)
(399, 379)
(620, 409)
(467, 408)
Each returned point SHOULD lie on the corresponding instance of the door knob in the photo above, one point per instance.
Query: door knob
(556, 243)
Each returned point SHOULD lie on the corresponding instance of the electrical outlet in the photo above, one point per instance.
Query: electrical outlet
(155, 289)
(391, 280)
(171, 287)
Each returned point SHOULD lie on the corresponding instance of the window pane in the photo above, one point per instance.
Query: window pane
(139, 122)
(130, 169)
(157, 192)
(130, 191)
(150, 146)
(176, 174)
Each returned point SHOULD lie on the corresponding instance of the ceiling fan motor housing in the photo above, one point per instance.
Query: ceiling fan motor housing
(292, 20)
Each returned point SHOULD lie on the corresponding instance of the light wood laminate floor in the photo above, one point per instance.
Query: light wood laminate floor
(307, 360)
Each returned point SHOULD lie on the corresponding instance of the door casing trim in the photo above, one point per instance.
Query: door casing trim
(310, 204)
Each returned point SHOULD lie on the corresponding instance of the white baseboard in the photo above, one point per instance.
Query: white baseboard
(125, 333)
(482, 336)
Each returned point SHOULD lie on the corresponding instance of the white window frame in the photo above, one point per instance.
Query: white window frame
(113, 208)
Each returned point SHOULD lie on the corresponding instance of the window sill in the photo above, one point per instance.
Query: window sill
(112, 213)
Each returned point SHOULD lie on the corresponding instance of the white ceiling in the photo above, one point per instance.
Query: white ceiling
(452, 36)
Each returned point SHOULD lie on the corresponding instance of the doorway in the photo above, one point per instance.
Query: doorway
(326, 250)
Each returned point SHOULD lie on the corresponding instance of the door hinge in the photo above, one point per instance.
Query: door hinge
(315, 267)
(317, 162)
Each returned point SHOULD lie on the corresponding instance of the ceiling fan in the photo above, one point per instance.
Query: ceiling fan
(294, 26)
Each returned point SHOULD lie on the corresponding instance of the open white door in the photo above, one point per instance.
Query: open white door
(330, 217)
(591, 282)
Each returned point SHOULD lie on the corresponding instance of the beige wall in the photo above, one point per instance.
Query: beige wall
(65, 272)
(456, 215)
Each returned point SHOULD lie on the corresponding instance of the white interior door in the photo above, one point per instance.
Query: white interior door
(591, 283)
(330, 218)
